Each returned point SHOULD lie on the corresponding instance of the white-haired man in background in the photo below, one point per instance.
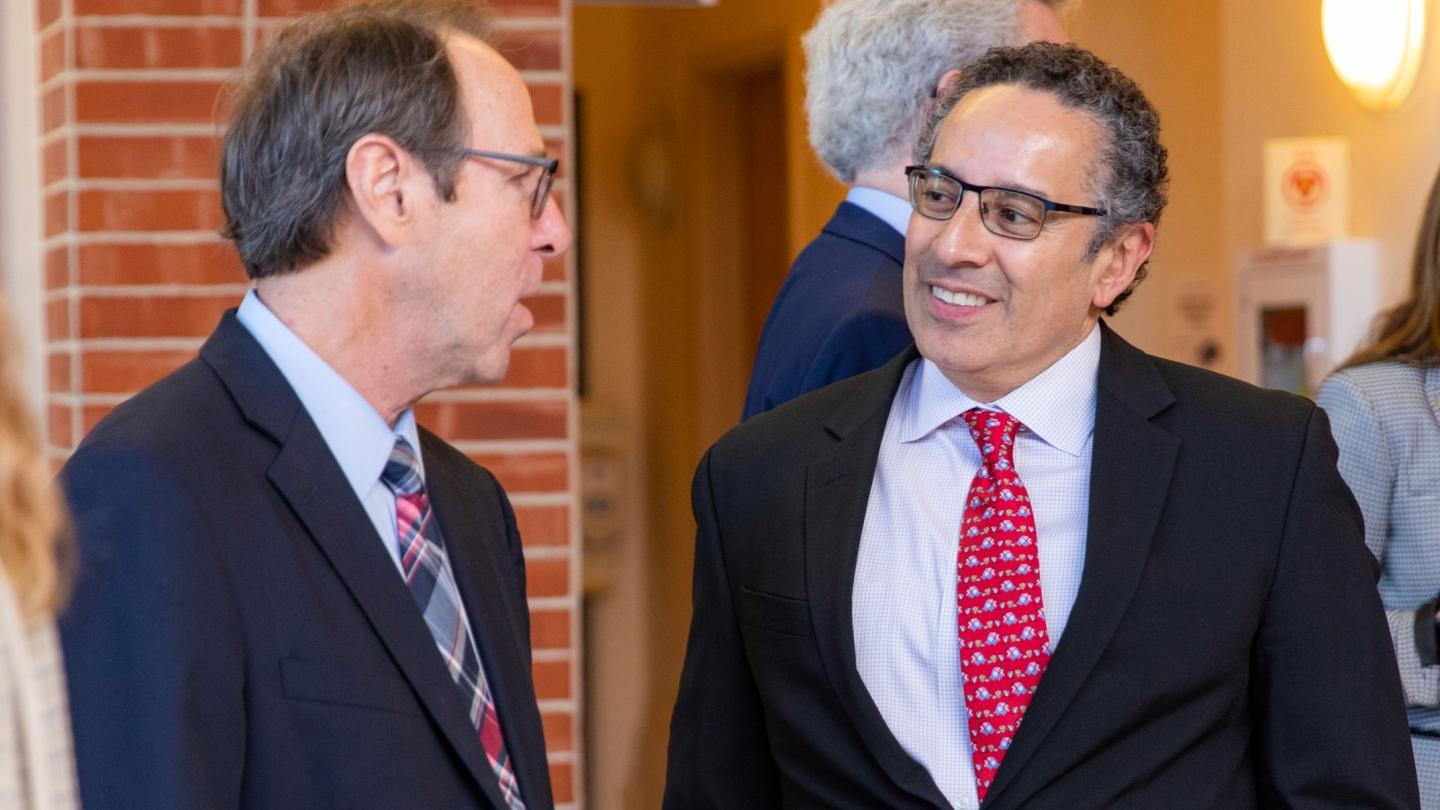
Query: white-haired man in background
(875, 68)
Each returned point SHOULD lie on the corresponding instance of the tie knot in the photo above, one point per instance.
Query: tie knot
(994, 433)
(402, 471)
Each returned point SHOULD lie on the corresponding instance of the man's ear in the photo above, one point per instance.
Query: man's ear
(947, 80)
(1120, 260)
(380, 174)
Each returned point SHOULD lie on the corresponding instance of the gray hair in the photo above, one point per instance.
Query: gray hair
(873, 67)
(377, 66)
(1129, 177)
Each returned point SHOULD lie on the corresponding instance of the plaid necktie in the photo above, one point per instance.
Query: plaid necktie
(426, 569)
(1003, 643)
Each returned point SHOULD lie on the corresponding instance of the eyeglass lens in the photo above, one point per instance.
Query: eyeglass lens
(1004, 212)
(542, 191)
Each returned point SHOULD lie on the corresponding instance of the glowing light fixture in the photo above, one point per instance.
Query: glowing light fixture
(1375, 46)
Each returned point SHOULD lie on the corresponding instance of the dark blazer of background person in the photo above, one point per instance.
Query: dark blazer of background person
(239, 634)
(1226, 648)
(838, 314)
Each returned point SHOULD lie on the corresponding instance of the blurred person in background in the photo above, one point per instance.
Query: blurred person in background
(875, 70)
(37, 764)
(1384, 407)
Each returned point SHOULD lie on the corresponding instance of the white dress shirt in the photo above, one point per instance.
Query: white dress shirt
(354, 431)
(895, 211)
(907, 647)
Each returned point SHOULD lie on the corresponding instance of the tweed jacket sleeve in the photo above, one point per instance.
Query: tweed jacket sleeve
(1389, 444)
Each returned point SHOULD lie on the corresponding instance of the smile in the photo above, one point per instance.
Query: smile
(959, 299)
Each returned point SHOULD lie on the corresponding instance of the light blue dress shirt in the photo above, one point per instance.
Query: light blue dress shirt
(354, 431)
(907, 646)
(894, 211)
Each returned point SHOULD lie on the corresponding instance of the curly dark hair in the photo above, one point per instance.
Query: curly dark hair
(1130, 177)
(374, 66)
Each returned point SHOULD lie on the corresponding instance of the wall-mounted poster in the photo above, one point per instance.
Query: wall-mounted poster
(1307, 191)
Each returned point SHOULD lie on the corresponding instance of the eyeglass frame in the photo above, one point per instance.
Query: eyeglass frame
(549, 165)
(912, 174)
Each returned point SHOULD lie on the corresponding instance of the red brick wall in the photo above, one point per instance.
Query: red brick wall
(136, 276)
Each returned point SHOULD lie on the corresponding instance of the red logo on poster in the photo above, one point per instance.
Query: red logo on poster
(1304, 184)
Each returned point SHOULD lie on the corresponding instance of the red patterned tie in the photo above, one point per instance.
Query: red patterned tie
(1003, 644)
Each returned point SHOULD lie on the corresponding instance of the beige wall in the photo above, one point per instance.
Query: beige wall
(1277, 82)
(666, 354)
(1172, 51)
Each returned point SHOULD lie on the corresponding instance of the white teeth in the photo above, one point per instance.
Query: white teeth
(958, 299)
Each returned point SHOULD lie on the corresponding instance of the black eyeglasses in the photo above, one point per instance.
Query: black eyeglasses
(548, 166)
(936, 194)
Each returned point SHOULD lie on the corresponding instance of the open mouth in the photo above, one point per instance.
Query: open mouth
(959, 299)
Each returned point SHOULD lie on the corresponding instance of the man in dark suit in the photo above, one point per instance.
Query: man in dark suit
(1025, 564)
(290, 595)
(874, 70)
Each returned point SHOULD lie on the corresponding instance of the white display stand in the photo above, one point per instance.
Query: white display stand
(1303, 310)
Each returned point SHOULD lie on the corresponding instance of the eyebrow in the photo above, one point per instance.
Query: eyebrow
(1021, 187)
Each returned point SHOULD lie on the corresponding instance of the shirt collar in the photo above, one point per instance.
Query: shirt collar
(354, 431)
(1057, 405)
(893, 211)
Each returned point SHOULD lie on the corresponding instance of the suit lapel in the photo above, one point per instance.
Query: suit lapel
(837, 490)
(306, 475)
(475, 533)
(1130, 472)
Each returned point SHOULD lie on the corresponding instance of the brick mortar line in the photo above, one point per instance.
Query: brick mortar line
(553, 655)
(533, 552)
(158, 290)
(152, 344)
(133, 184)
(541, 499)
(72, 251)
(142, 130)
(549, 22)
(157, 21)
(189, 75)
(513, 446)
(141, 238)
(498, 394)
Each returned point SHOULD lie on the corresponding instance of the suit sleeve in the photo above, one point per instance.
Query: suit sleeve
(1329, 709)
(719, 753)
(517, 558)
(1369, 468)
(151, 641)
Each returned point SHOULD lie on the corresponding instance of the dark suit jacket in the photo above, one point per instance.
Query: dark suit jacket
(839, 313)
(239, 636)
(1226, 649)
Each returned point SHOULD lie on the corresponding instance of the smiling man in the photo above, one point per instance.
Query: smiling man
(1025, 564)
(290, 594)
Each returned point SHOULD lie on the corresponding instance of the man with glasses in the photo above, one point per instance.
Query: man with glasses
(875, 69)
(1026, 564)
(291, 595)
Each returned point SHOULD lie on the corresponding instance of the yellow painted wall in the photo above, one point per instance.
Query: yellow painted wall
(1277, 82)
(1172, 51)
(663, 332)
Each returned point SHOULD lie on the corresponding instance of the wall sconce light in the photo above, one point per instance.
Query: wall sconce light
(1375, 47)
